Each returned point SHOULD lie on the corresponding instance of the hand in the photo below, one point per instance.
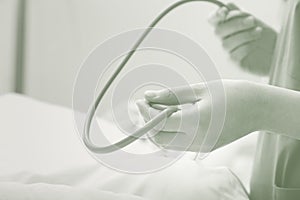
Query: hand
(249, 41)
(242, 106)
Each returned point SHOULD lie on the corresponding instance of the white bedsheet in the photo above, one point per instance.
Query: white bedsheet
(41, 154)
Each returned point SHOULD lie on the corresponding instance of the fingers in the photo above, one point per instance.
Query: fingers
(176, 96)
(172, 133)
(148, 112)
(220, 15)
(243, 51)
(235, 13)
(235, 25)
(230, 20)
(181, 140)
(240, 34)
(242, 38)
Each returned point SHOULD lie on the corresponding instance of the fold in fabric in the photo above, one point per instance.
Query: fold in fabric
(286, 65)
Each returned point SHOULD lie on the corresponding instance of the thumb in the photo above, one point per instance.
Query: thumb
(177, 95)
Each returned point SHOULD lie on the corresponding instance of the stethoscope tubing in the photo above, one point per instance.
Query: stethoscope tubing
(164, 114)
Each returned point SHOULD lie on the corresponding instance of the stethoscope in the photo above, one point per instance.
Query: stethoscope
(166, 111)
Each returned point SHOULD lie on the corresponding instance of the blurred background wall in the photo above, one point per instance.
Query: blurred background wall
(8, 18)
(61, 33)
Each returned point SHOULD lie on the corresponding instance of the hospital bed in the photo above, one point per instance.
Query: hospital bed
(42, 157)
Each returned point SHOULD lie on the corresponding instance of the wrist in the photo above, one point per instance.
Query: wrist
(282, 111)
(262, 106)
(275, 103)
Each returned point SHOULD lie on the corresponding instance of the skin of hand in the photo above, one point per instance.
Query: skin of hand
(243, 100)
(248, 40)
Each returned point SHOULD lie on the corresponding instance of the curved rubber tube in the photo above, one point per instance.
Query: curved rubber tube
(150, 124)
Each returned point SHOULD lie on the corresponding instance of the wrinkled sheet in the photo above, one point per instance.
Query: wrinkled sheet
(44, 191)
(42, 157)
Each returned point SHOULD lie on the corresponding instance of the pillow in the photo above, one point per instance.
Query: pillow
(185, 179)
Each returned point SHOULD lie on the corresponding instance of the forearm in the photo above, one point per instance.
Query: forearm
(280, 111)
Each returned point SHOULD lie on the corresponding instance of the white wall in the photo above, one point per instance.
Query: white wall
(7, 44)
(62, 32)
